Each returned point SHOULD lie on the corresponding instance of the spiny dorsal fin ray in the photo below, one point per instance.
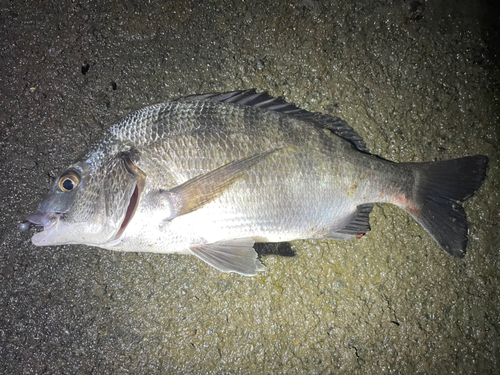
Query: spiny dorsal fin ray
(265, 101)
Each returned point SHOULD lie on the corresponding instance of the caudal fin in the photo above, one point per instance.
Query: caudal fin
(440, 187)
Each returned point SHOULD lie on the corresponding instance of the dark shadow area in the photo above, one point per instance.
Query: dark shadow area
(283, 249)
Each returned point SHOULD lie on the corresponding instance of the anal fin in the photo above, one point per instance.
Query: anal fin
(356, 225)
(235, 255)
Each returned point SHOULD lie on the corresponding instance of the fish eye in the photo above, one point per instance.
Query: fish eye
(69, 181)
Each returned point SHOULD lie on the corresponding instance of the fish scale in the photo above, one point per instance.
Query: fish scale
(210, 175)
(297, 171)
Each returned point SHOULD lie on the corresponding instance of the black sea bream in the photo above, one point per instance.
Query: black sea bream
(210, 175)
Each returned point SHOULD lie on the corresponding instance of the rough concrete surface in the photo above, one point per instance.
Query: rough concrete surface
(419, 80)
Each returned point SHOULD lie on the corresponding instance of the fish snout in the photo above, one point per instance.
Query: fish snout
(39, 218)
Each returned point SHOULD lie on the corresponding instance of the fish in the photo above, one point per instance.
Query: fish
(214, 175)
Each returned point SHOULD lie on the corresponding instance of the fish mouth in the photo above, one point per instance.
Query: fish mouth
(47, 220)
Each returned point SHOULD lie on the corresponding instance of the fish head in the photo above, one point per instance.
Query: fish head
(90, 203)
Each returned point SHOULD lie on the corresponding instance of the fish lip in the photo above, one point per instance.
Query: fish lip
(45, 219)
(49, 221)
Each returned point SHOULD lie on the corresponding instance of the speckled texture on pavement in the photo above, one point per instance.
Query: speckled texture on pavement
(418, 80)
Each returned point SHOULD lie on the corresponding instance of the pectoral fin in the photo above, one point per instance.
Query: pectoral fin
(197, 192)
(235, 255)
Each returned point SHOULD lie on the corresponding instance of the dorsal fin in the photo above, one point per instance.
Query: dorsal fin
(265, 101)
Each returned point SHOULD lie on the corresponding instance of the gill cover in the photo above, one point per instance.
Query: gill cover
(88, 203)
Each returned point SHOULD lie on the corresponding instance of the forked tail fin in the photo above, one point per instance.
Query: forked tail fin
(440, 187)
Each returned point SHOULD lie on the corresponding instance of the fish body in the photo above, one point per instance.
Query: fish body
(210, 175)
